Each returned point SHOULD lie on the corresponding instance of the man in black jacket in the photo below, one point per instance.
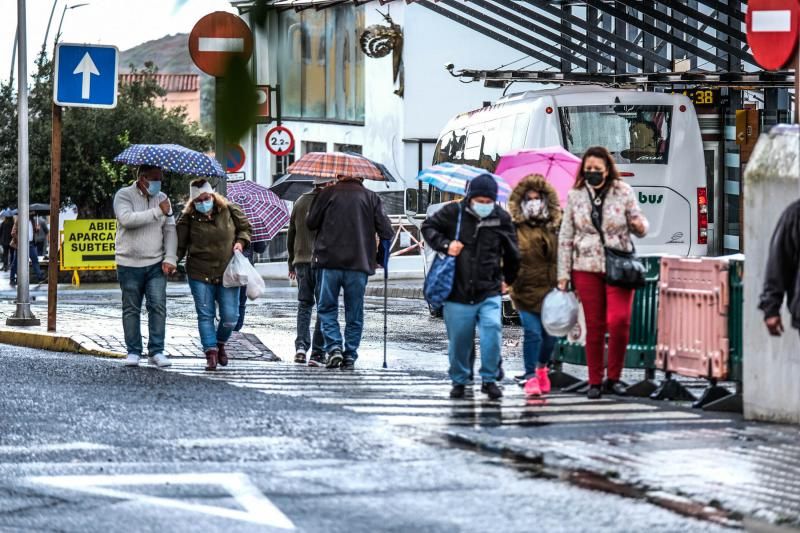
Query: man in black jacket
(783, 272)
(346, 216)
(487, 258)
(5, 240)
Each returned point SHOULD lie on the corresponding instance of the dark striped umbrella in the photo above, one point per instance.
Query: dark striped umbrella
(266, 212)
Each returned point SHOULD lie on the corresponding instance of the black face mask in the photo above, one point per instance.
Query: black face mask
(594, 178)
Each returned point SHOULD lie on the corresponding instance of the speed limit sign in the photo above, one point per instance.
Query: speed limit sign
(280, 141)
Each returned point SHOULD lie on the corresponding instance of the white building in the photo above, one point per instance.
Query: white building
(334, 97)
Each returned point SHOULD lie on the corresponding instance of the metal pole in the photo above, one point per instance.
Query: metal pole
(13, 56)
(64, 12)
(23, 315)
(55, 208)
(219, 141)
(49, 21)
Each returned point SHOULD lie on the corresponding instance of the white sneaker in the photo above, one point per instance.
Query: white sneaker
(160, 360)
(131, 360)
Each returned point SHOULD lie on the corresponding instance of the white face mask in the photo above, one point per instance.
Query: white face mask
(534, 209)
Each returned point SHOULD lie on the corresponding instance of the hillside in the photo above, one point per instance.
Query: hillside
(170, 54)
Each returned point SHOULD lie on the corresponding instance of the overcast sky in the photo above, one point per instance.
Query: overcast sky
(123, 23)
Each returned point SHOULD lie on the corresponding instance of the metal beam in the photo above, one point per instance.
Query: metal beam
(733, 11)
(499, 37)
(708, 20)
(532, 16)
(623, 16)
(622, 46)
(513, 17)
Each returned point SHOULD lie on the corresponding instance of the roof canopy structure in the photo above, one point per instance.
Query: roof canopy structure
(596, 36)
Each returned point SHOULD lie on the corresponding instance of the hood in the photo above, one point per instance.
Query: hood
(535, 182)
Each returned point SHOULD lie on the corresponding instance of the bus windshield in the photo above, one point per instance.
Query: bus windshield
(632, 133)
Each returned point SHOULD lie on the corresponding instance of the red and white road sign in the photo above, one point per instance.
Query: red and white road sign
(218, 37)
(772, 29)
(280, 141)
(263, 92)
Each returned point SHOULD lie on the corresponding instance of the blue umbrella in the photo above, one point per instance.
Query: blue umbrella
(172, 157)
(450, 177)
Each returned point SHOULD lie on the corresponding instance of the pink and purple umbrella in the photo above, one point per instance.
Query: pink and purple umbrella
(556, 164)
(266, 212)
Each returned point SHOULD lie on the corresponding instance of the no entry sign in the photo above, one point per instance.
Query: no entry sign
(218, 37)
(280, 141)
(772, 27)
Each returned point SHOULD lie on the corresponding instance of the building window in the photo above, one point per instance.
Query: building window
(320, 66)
(349, 148)
(314, 146)
(282, 163)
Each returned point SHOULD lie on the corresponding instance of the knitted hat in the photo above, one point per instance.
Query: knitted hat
(196, 189)
(483, 185)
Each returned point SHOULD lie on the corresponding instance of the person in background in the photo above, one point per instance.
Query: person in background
(487, 258)
(5, 240)
(536, 213)
(145, 253)
(300, 241)
(32, 253)
(40, 237)
(782, 279)
(258, 247)
(346, 216)
(581, 257)
(210, 230)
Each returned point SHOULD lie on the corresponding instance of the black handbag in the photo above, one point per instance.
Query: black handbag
(623, 269)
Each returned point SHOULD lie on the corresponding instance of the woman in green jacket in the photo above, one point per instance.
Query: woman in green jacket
(536, 213)
(210, 230)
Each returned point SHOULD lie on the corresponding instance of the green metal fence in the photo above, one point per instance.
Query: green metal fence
(641, 351)
(735, 318)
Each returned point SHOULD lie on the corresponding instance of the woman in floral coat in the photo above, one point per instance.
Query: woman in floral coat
(581, 258)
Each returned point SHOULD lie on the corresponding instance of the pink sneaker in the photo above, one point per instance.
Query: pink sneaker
(544, 380)
(532, 387)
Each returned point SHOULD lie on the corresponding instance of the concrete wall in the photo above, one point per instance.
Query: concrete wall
(771, 365)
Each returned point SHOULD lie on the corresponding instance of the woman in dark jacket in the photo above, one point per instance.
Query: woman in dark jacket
(486, 259)
(210, 230)
(536, 213)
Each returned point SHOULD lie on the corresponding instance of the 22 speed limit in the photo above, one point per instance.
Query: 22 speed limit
(280, 141)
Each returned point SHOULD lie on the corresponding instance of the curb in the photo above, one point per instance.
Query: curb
(412, 293)
(54, 342)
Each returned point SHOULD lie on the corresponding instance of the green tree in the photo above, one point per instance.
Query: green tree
(91, 138)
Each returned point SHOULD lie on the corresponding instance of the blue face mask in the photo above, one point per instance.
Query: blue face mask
(153, 188)
(204, 207)
(482, 210)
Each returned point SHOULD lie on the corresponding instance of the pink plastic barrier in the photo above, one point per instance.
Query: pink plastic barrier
(693, 317)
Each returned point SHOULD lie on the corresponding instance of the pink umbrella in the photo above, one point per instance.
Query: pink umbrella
(552, 162)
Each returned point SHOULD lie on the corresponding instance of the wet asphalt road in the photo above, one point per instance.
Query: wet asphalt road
(85, 446)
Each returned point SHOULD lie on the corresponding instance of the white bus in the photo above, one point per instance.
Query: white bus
(654, 138)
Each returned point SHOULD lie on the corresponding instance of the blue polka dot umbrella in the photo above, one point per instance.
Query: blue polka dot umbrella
(173, 158)
(266, 212)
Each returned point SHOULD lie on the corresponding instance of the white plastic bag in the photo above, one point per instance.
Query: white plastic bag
(238, 271)
(559, 312)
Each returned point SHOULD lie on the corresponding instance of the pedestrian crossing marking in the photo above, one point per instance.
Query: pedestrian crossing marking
(403, 398)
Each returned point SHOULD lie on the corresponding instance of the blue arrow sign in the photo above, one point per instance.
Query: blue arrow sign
(86, 75)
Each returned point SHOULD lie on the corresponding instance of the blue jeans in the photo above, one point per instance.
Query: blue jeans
(242, 308)
(354, 284)
(537, 344)
(460, 321)
(136, 284)
(207, 297)
(34, 259)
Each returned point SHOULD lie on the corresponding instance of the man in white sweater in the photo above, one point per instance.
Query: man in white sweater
(146, 249)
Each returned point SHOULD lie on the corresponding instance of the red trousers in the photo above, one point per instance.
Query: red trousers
(607, 309)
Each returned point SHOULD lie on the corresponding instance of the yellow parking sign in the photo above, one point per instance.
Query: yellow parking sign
(89, 245)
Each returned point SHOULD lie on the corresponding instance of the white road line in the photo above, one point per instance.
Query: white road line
(501, 408)
(55, 447)
(442, 400)
(489, 419)
(220, 44)
(258, 509)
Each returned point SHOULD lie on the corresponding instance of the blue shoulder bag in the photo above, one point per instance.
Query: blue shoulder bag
(442, 274)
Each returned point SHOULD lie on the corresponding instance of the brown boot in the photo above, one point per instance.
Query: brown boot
(211, 359)
(222, 355)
